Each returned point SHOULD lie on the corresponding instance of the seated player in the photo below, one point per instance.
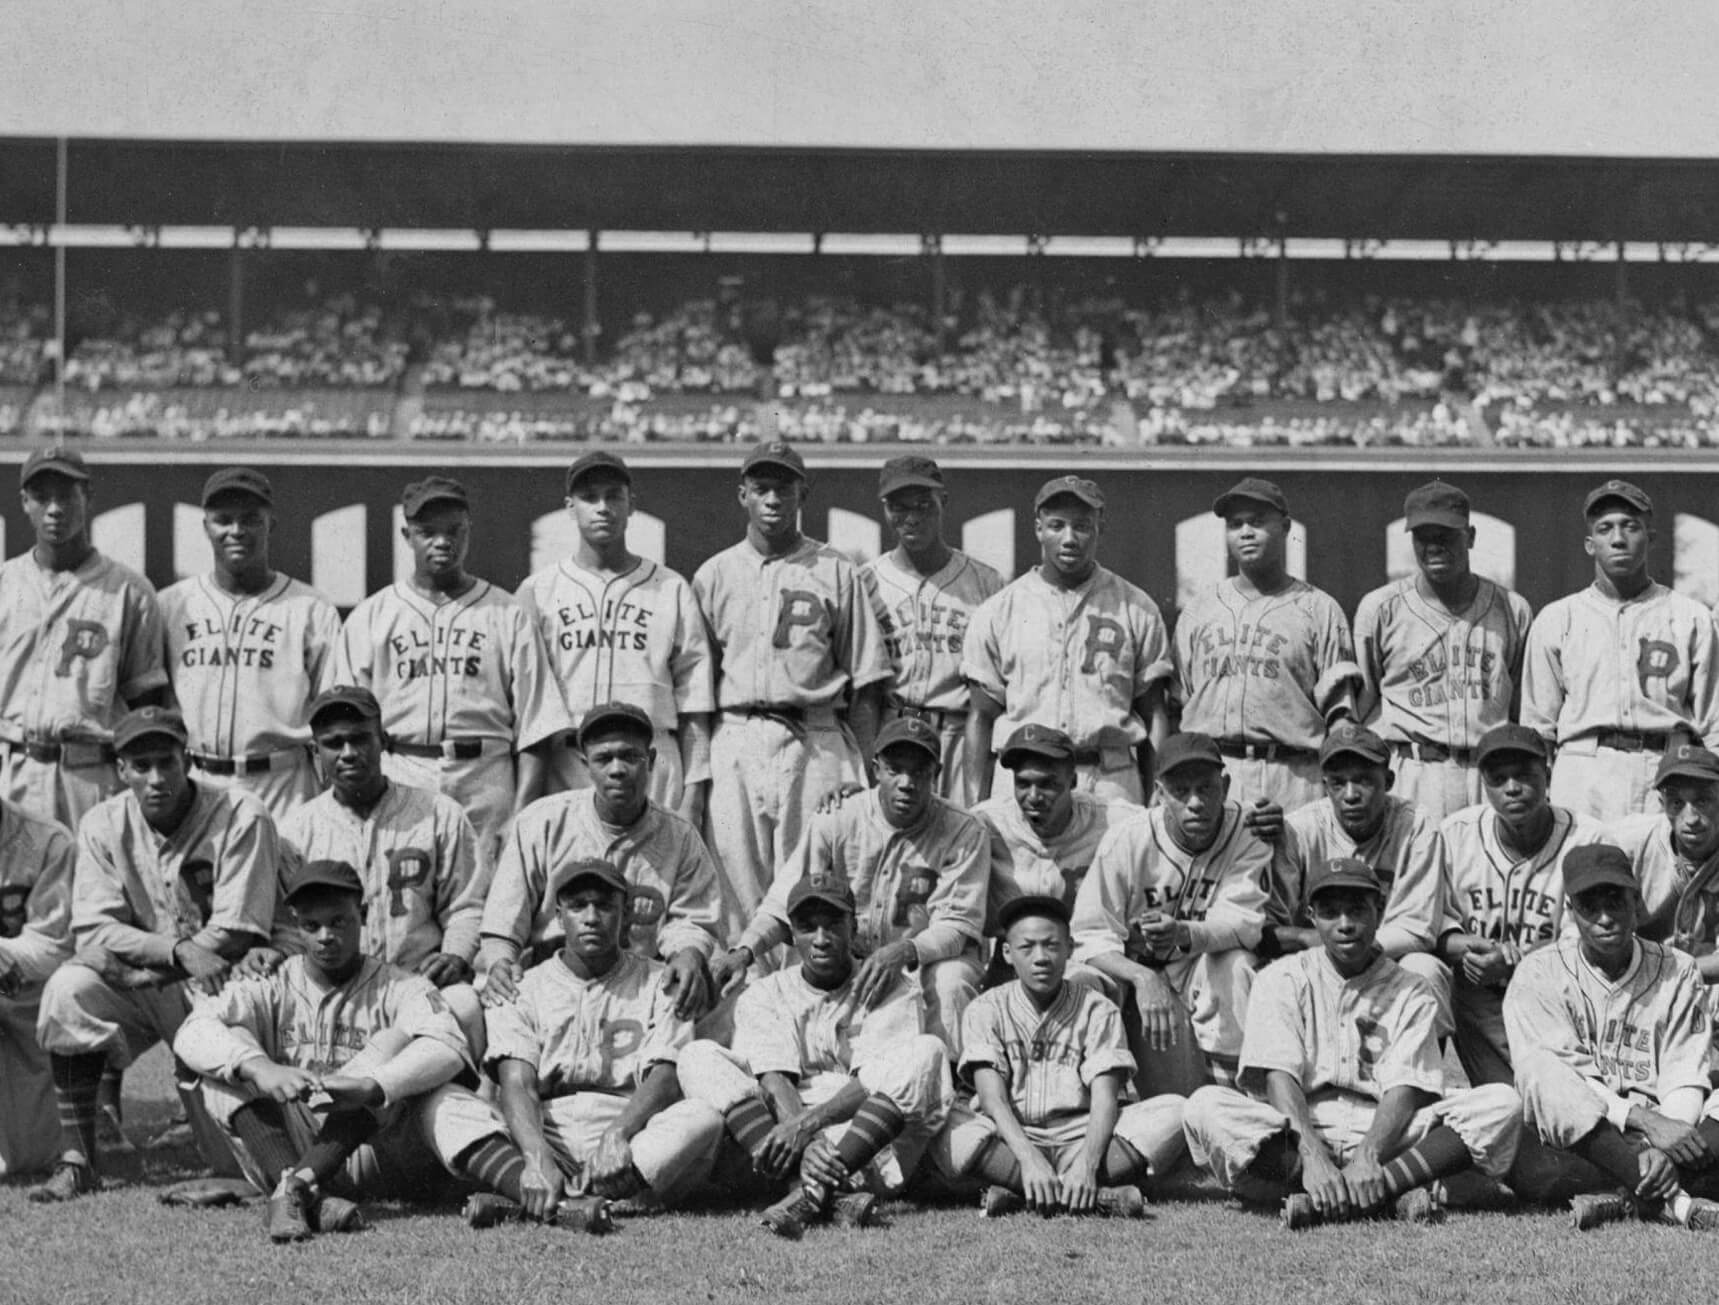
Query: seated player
(1674, 853)
(1172, 908)
(918, 870)
(175, 881)
(585, 1056)
(1343, 1106)
(1613, 1045)
(843, 1093)
(317, 1073)
(1049, 1067)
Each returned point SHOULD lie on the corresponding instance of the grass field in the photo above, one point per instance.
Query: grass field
(123, 1246)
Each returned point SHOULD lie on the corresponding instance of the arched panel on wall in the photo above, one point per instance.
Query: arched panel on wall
(338, 554)
(191, 552)
(402, 550)
(553, 537)
(1295, 550)
(3, 537)
(853, 533)
(119, 532)
(991, 539)
(1200, 558)
(648, 537)
(1493, 554)
(1695, 557)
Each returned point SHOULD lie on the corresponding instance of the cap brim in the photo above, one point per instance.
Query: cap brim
(1607, 878)
(908, 481)
(1354, 883)
(1684, 772)
(818, 895)
(66, 469)
(153, 732)
(1354, 751)
(1450, 520)
(1096, 504)
(1011, 755)
(1221, 505)
(789, 467)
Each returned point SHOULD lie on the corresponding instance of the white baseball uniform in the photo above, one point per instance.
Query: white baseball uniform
(1076, 660)
(1433, 681)
(635, 638)
(245, 668)
(1023, 864)
(1678, 895)
(1609, 682)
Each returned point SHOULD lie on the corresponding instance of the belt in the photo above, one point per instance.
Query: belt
(49, 751)
(1636, 741)
(1435, 752)
(1246, 751)
(936, 717)
(447, 749)
(255, 764)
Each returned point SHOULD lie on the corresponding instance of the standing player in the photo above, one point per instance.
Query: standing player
(1441, 656)
(925, 593)
(247, 650)
(1264, 660)
(621, 629)
(1072, 645)
(800, 672)
(80, 642)
(459, 669)
(1622, 670)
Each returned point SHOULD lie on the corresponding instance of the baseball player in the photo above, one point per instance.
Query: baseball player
(1049, 1066)
(35, 937)
(1621, 670)
(1172, 908)
(1505, 893)
(821, 1082)
(1674, 853)
(925, 593)
(80, 642)
(621, 629)
(1614, 1049)
(800, 673)
(917, 867)
(1342, 1107)
(174, 882)
(1441, 656)
(1072, 645)
(459, 669)
(674, 905)
(247, 650)
(1264, 661)
(317, 1074)
(586, 1058)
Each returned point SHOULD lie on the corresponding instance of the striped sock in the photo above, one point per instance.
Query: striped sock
(343, 1133)
(262, 1127)
(77, 1085)
(1440, 1153)
(1123, 1164)
(1607, 1149)
(874, 1126)
(496, 1163)
(997, 1164)
(749, 1123)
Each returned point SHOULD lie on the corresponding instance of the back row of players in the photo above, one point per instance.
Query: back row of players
(443, 699)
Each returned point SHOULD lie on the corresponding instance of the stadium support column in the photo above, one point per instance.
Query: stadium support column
(1280, 307)
(236, 307)
(589, 326)
(933, 248)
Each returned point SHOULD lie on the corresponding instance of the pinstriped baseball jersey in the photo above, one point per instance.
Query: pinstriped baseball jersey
(1024, 864)
(1365, 1035)
(635, 638)
(471, 667)
(1266, 669)
(588, 1035)
(1139, 868)
(425, 873)
(1074, 659)
(785, 1025)
(1494, 894)
(924, 621)
(791, 631)
(1675, 892)
(245, 667)
(1596, 664)
(75, 646)
(36, 860)
(1050, 1058)
(1429, 675)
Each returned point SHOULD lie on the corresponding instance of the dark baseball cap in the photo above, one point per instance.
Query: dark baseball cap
(67, 462)
(239, 480)
(149, 722)
(1687, 761)
(1509, 738)
(1597, 865)
(1436, 504)
(1037, 741)
(432, 489)
(623, 714)
(350, 698)
(774, 454)
(830, 889)
(595, 461)
(338, 875)
(1632, 496)
(1186, 750)
(1253, 490)
(1032, 904)
(1077, 487)
(1346, 738)
(1342, 872)
(589, 870)
(909, 472)
(908, 731)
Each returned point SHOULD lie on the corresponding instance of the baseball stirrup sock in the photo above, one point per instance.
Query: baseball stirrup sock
(1123, 1164)
(749, 1123)
(262, 1128)
(1441, 1152)
(1608, 1149)
(875, 1125)
(343, 1133)
(77, 1086)
(496, 1163)
(1277, 1160)
(997, 1164)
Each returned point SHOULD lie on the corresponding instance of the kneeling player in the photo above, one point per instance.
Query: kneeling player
(1344, 1106)
(1048, 1063)
(810, 1057)
(316, 1073)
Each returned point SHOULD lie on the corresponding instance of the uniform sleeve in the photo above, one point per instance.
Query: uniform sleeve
(101, 916)
(1339, 675)
(890, 1024)
(1543, 674)
(1154, 664)
(957, 903)
(1105, 901)
(665, 1034)
(769, 924)
(245, 879)
(1182, 684)
(464, 883)
(1001, 887)
(143, 666)
(45, 940)
(1411, 1057)
(1275, 1034)
(1537, 1026)
(1370, 656)
(1704, 679)
(539, 706)
(354, 651)
(1415, 908)
(517, 891)
(691, 666)
(1288, 875)
(692, 916)
(323, 639)
(1103, 1048)
(512, 1033)
(223, 1032)
(766, 1035)
(1685, 1056)
(858, 637)
(982, 650)
(1237, 913)
(983, 1036)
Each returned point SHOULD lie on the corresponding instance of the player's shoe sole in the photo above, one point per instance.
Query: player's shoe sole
(853, 1210)
(1122, 1202)
(790, 1217)
(68, 1182)
(1420, 1205)
(591, 1214)
(286, 1217)
(1703, 1216)
(999, 1202)
(335, 1214)
(1594, 1209)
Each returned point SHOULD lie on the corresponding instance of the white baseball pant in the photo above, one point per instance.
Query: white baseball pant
(1604, 783)
(1152, 1127)
(29, 1118)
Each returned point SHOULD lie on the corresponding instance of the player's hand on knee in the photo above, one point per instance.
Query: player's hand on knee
(821, 1164)
(879, 971)
(258, 963)
(205, 970)
(1680, 1142)
(281, 1083)
(444, 970)
(541, 1185)
(501, 983)
(349, 1092)
(780, 1151)
(1265, 818)
(1658, 1175)
(1080, 1188)
(836, 796)
(685, 979)
(1039, 1183)
(1159, 1011)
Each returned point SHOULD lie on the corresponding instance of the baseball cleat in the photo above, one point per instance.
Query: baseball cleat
(590, 1214)
(70, 1180)
(790, 1216)
(335, 1214)
(1703, 1215)
(996, 1202)
(110, 1131)
(640, 1205)
(853, 1210)
(1420, 1205)
(486, 1210)
(1122, 1202)
(1592, 1209)
(286, 1217)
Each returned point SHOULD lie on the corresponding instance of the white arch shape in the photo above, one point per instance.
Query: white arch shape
(1695, 557)
(856, 535)
(990, 537)
(1201, 560)
(120, 532)
(402, 550)
(340, 554)
(1493, 555)
(191, 552)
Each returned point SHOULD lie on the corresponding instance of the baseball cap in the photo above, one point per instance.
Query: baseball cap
(67, 462)
(1037, 741)
(1436, 504)
(821, 888)
(1687, 761)
(908, 472)
(1346, 738)
(239, 480)
(1254, 490)
(587, 869)
(1621, 490)
(1343, 872)
(598, 460)
(346, 697)
(616, 713)
(432, 489)
(149, 722)
(338, 875)
(909, 731)
(1509, 738)
(1596, 865)
(1032, 904)
(774, 454)
(1187, 749)
(1078, 487)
